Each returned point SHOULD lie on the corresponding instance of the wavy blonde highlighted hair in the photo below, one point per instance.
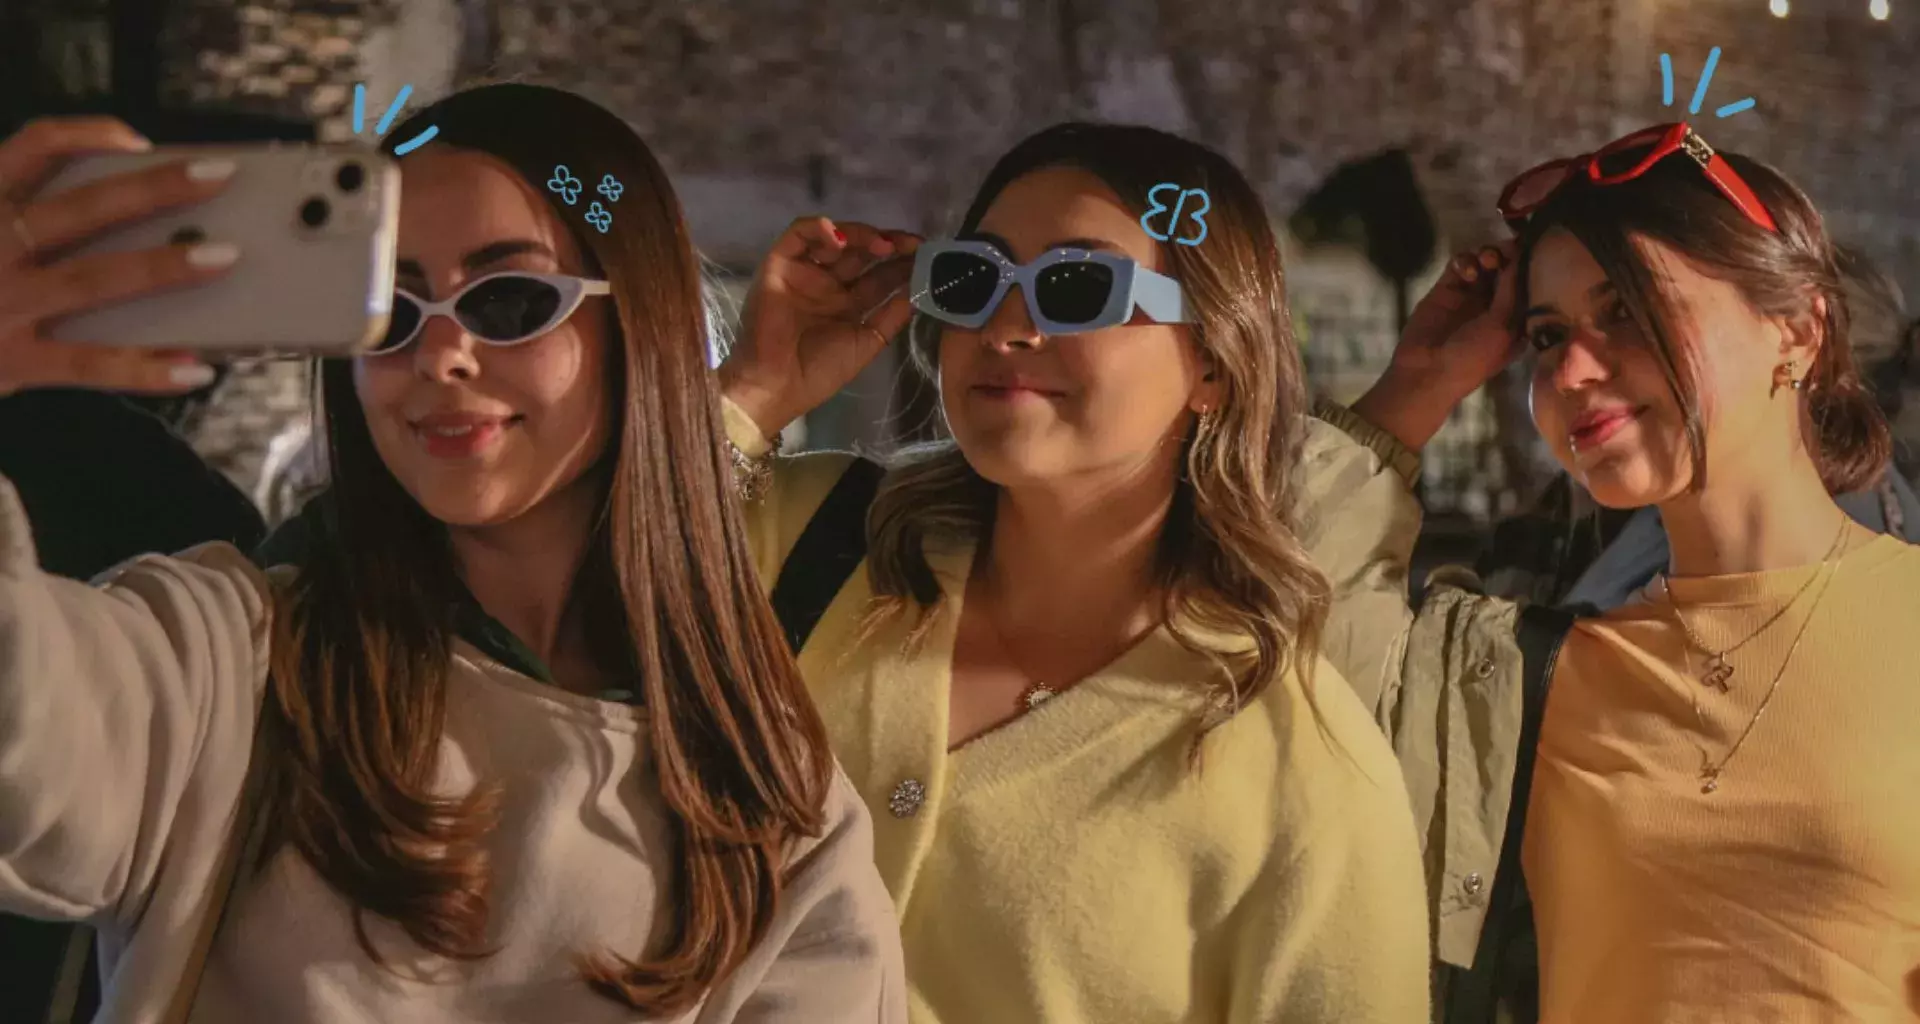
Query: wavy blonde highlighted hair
(1229, 559)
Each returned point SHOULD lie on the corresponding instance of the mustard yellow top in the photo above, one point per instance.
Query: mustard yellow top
(1070, 866)
(1791, 892)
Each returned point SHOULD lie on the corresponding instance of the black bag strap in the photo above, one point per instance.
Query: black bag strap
(831, 546)
(1504, 966)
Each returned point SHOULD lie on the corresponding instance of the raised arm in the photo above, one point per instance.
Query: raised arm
(1443, 680)
(127, 712)
(127, 709)
(833, 954)
(824, 303)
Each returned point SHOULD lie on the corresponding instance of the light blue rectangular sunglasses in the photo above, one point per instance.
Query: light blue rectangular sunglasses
(1068, 291)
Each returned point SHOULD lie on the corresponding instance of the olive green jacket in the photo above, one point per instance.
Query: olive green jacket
(1445, 680)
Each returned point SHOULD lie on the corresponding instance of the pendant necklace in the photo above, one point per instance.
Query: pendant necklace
(1710, 771)
(1037, 692)
(1718, 672)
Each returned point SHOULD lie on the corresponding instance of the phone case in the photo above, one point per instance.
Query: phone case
(298, 287)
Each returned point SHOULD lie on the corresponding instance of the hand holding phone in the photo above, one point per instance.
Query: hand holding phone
(37, 286)
(316, 223)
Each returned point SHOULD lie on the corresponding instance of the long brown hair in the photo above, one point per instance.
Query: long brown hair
(1778, 274)
(668, 592)
(1228, 557)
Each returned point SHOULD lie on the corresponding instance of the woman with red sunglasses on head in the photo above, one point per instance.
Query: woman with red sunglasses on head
(513, 737)
(1717, 821)
(1077, 678)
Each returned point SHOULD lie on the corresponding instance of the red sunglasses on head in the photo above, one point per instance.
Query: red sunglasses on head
(1625, 159)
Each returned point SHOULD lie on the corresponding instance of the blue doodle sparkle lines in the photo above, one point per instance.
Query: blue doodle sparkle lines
(1699, 91)
(568, 188)
(1173, 219)
(386, 120)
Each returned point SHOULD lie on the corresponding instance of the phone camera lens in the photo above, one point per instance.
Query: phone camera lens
(314, 212)
(350, 177)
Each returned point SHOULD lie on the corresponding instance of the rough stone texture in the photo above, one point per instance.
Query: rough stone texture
(902, 106)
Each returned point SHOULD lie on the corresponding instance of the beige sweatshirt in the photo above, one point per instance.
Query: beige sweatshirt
(127, 712)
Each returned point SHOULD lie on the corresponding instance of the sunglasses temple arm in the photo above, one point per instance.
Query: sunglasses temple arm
(1160, 297)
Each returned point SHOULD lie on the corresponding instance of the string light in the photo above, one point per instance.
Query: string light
(1779, 8)
(1878, 8)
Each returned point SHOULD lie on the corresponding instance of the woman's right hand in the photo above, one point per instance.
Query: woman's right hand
(822, 306)
(38, 285)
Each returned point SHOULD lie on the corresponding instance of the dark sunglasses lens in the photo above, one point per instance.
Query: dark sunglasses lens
(962, 283)
(1074, 292)
(1622, 160)
(401, 323)
(509, 308)
(1532, 190)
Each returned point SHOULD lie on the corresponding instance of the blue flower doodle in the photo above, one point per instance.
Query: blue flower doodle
(598, 216)
(611, 188)
(565, 184)
(1173, 220)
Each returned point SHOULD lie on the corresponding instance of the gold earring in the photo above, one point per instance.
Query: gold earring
(1783, 377)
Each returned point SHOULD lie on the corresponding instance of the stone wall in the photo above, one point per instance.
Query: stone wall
(765, 108)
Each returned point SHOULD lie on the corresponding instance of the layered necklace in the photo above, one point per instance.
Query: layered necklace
(1718, 672)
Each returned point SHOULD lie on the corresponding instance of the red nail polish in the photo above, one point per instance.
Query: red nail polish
(838, 236)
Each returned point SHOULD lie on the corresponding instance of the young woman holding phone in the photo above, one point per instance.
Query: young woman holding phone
(526, 742)
(1078, 679)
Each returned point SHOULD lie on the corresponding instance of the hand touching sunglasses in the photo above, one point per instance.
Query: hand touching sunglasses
(504, 308)
(1068, 291)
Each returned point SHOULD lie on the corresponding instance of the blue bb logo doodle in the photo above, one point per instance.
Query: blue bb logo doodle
(1173, 221)
(611, 188)
(598, 216)
(565, 184)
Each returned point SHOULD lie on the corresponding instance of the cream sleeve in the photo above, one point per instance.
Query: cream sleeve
(833, 953)
(127, 711)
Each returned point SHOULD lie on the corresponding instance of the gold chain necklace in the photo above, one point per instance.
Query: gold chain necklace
(1718, 671)
(1709, 771)
(1037, 692)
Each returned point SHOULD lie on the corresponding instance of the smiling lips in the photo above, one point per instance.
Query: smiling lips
(1594, 427)
(460, 435)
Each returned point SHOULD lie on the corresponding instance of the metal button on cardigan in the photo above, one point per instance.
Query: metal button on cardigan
(907, 798)
(1473, 883)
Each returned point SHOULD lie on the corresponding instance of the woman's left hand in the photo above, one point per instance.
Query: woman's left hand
(1457, 338)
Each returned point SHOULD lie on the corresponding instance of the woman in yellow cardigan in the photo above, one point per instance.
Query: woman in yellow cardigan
(1078, 680)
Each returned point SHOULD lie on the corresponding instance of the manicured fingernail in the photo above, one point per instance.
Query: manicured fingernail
(213, 255)
(839, 236)
(192, 375)
(211, 169)
(141, 143)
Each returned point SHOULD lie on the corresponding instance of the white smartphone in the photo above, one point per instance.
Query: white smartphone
(316, 226)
